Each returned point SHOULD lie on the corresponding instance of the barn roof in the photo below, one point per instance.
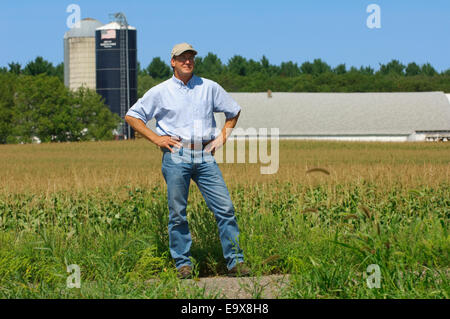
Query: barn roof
(344, 113)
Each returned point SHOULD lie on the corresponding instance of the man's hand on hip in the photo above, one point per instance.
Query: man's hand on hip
(214, 145)
(167, 141)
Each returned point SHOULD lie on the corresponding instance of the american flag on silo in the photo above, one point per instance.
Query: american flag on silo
(108, 34)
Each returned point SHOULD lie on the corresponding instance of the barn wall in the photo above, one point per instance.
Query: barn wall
(335, 138)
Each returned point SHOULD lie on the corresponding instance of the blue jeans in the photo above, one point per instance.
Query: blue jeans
(178, 169)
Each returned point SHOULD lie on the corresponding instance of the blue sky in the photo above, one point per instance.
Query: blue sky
(282, 30)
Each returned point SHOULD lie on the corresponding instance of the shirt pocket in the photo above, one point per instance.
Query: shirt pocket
(176, 115)
(203, 110)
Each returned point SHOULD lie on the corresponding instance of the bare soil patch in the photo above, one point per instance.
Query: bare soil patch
(267, 287)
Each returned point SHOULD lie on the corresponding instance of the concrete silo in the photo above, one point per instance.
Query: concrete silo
(116, 65)
(79, 55)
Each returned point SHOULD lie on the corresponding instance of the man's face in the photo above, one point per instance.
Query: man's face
(184, 63)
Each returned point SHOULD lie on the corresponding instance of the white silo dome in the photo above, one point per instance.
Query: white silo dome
(114, 26)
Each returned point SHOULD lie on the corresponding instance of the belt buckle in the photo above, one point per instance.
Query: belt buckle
(197, 146)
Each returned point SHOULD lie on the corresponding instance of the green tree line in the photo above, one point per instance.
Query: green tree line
(41, 107)
(36, 67)
(247, 75)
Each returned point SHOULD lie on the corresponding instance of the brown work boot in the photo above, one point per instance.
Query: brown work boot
(240, 270)
(185, 272)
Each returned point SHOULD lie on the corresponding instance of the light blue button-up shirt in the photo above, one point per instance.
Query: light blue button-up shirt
(185, 111)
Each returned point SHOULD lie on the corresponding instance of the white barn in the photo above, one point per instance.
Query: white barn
(348, 116)
(416, 116)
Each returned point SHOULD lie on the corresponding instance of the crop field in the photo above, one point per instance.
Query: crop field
(102, 206)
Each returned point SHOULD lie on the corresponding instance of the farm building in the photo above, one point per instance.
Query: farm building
(421, 116)
(79, 55)
(104, 58)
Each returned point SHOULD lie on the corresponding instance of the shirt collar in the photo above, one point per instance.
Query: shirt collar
(180, 83)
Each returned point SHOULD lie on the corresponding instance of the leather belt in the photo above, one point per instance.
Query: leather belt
(194, 146)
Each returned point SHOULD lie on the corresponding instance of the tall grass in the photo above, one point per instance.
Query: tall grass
(103, 207)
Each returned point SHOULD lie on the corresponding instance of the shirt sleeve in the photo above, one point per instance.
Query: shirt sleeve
(223, 102)
(145, 108)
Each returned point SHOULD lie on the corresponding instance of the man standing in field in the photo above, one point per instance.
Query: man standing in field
(183, 107)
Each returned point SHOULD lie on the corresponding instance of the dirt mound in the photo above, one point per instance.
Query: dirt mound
(242, 288)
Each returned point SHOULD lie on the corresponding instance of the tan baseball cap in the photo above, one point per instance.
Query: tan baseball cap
(180, 48)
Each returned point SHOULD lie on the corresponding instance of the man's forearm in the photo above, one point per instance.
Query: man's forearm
(140, 127)
(228, 127)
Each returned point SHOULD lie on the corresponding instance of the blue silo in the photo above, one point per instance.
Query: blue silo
(115, 82)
